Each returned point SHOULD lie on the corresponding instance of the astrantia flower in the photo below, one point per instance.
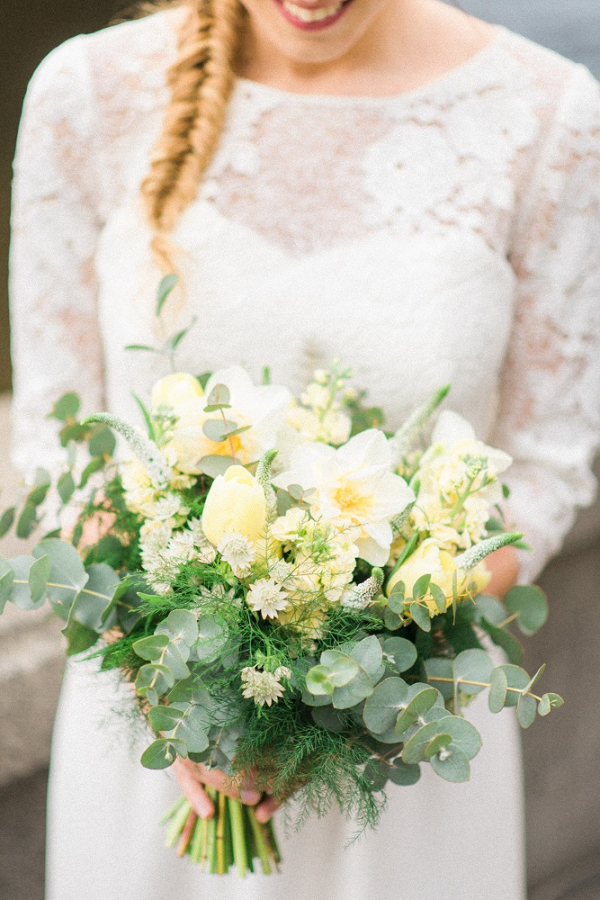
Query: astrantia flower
(168, 507)
(267, 597)
(353, 485)
(238, 551)
(263, 687)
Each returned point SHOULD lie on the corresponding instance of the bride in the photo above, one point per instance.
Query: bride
(391, 182)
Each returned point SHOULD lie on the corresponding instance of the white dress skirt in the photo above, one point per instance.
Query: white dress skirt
(451, 234)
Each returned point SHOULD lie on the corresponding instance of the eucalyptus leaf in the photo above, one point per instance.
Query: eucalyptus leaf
(216, 429)
(66, 486)
(498, 691)
(67, 575)
(150, 647)
(549, 702)
(369, 656)
(391, 620)
(93, 602)
(464, 735)
(403, 774)
(503, 638)
(214, 465)
(7, 520)
(163, 753)
(92, 467)
(180, 625)
(382, 707)
(102, 442)
(328, 718)
(155, 677)
(175, 660)
(39, 574)
(517, 680)
(191, 730)
(219, 397)
(421, 587)
(420, 616)
(353, 693)
(526, 710)
(164, 290)
(490, 608)
(420, 703)
(397, 598)
(530, 605)
(454, 767)
(79, 637)
(7, 577)
(164, 718)
(439, 597)
(27, 521)
(414, 748)
(401, 652)
(212, 638)
(440, 672)
(318, 681)
(21, 593)
(472, 666)
(342, 669)
(439, 742)
(66, 407)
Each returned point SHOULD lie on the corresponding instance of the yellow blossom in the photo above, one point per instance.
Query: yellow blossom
(235, 503)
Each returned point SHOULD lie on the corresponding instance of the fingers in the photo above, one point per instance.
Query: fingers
(223, 783)
(187, 777)
(265, 810)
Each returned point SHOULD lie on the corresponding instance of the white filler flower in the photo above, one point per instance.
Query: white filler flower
(353, 485)
(267, 597)
(263, 687)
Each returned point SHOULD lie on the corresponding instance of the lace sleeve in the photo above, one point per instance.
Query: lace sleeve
(56, 344)
(550, 403)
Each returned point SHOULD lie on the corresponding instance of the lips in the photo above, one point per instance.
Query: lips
(312, 18)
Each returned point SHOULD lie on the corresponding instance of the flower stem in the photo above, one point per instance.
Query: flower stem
(236, 817)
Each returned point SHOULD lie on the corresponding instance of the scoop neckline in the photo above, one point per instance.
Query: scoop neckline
(430, 87)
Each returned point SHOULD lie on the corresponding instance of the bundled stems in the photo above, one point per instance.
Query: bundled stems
(233, 838)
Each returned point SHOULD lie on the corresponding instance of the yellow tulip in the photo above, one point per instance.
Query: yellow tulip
(428, 559)
(173, 390)
(235, 503)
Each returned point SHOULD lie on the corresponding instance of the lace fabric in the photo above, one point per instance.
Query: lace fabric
(452, 232)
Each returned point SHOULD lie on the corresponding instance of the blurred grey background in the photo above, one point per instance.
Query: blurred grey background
(561, 754)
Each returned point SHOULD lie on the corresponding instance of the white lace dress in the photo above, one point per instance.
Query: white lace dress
(451, 234)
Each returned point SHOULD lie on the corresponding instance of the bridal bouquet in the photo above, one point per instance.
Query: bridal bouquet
(291, 591)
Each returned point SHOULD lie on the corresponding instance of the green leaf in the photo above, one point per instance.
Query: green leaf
(317, 681)
(21, 594)
(498, 691)
(79, 638)
(39, 574)
(341, 668)
(27, 521)
(421, 587)
(414, 748)
(491, 609)
(329, 718)
(164, 290)
(439, 597)
(66, 407)
(526, 710)
(93, 466)
(531, 606)
(214, 465)
(102, 443)
(401, 652)
(164, 718)
(472, 665)
(7, 577)
(503, 638)
(191, 730)
(549, 702)
(93, 602)
(67, 575)
(219, 398)
(175, 660)
(382, 707)
(407, 551)
(150, 647)
(464, 735)
(420, 616)
(441, 668)
(212, 638)
(217, 430)
(421, 703)
(163, 753)
(353, 693)
(369, 656)
(144, 347)
(147, 417)
(397, 598)
(180, 625)
(454, 767)
(517, 680)
(391, 620)
(7, 520)
(173, 342)
(403, 774)
(154, 677)
(66, 486)
(439, 742)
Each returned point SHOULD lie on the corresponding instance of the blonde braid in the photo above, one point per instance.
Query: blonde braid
(201, 81)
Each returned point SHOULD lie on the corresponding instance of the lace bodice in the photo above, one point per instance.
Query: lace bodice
(448, 234)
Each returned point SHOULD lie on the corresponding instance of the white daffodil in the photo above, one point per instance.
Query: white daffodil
(259, 408)
(353, 486)
(457, 464)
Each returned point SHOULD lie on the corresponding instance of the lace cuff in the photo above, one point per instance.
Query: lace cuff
(550, 404)
(56, 344)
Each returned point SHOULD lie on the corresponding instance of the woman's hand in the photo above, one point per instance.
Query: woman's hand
(192, 776)
(504, 566)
